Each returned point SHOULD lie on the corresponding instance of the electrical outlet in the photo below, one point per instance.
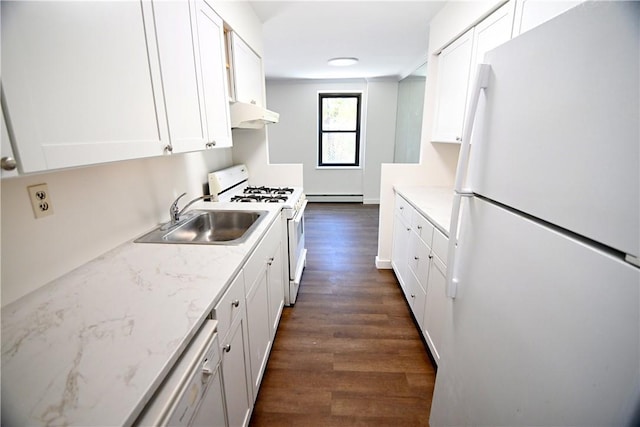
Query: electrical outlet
(40, 200)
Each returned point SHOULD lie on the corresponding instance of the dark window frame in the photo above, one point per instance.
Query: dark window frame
(321, 132)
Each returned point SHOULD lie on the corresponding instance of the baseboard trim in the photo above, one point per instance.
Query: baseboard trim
(332, 198)
(383, 264)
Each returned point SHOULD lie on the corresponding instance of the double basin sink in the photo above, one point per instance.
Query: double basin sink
(206, 227)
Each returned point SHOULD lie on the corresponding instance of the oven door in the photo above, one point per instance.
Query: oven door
(296, 244)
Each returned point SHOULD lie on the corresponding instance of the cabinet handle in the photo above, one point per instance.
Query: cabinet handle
(416, 258)
(458, 138)
(270, 261)
(8, 163)
(430, 256)
(419, 227)
(168, 148)
(210, 144)
(227, 348)
(401, 207)
(413, 295)
(408, 228)
(206, 371)
(235, 303)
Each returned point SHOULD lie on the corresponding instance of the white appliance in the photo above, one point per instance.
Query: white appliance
(543, 323)
(232, 185)
(251, 116)
(191, 395)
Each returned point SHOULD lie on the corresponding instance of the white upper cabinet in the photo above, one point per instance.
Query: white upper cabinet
(247, 73)
(457, 68)
(214, 76)
(491, 33)
(454, 63)
(181, 79)
(79, 83)
(531, 13)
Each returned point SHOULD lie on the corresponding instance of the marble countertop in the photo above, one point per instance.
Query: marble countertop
(432, 202)
(91, 347)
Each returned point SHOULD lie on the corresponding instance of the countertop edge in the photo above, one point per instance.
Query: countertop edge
(432, 202)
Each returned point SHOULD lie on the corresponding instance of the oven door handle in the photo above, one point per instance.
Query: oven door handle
(298, 216)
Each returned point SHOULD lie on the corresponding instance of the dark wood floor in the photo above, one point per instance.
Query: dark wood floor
(348, 352)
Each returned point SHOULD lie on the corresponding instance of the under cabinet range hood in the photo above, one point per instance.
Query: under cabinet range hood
(251, 116)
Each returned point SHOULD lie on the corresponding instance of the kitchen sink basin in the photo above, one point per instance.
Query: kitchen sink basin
(207, 228)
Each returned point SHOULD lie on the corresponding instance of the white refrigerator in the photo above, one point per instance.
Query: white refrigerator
(543, 321)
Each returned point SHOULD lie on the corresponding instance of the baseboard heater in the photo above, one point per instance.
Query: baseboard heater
(333, 198)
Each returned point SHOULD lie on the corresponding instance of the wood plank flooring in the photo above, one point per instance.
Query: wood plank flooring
(347, 353)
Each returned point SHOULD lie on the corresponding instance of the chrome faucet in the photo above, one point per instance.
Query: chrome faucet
(174, 213)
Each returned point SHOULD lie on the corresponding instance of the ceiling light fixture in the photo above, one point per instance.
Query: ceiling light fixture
(342, 62)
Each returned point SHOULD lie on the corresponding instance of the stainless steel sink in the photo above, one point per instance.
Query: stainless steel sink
(207, 228)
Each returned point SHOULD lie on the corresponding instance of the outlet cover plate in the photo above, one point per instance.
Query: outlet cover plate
(40, 200)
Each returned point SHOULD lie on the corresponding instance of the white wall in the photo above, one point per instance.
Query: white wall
(294, 138)
(96, 208)
(438, 162)
(251, 147)
(381, 134)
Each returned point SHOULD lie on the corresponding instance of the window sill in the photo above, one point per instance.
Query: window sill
(338, 167)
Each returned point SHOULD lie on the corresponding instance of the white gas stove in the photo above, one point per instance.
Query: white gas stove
(232, 185)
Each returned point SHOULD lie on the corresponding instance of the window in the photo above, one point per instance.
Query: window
(339, 129)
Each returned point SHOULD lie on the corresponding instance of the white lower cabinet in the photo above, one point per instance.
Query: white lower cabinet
(275, 280)
(237, 393)
(264, 300)
(417, 257)
(435, 306)
(400, 248)
(248, 314)
(236, 371)
(259, 328)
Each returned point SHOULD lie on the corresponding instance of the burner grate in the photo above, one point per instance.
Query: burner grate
(254, 198)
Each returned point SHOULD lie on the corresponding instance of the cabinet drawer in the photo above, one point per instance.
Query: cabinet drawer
(423, 228)
(403, 209)
(231, 304)
(440, 245)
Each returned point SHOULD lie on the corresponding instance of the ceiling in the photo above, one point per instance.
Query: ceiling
(389, 37)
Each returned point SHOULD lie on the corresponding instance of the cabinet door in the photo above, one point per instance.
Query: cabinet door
(236, 374)
(531, 13)
(418, 297)
(247, 72)
(419, 258)
(214, 75)
(435, 306)
(451, 93)
(399, 250)
(180, 75)
(79, 83)
(259, 328)
(490, 33)
(275, 278)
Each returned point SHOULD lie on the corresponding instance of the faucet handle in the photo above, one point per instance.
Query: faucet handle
(173, 210)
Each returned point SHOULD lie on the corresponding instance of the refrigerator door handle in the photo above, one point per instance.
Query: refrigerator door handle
(481, 82)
